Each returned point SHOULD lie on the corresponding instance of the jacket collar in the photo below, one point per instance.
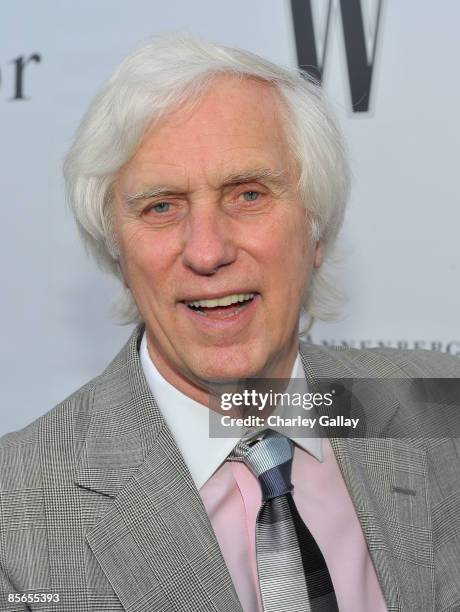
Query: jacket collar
(155, 542)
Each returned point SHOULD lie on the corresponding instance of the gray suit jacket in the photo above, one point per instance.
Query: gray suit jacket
(97, 504)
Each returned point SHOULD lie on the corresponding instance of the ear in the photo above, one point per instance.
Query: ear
(319, 254)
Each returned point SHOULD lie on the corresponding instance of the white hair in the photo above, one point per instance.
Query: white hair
(153, 82)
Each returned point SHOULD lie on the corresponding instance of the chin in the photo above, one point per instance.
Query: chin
(229, 365)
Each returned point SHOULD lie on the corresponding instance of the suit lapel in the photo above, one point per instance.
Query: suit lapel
(387, 482)
(155, 543)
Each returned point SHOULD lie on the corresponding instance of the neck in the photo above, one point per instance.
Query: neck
(280, 367)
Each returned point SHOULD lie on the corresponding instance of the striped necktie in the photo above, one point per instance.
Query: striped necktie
(293, 575)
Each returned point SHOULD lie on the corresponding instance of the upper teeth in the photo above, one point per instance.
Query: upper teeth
(223, 301)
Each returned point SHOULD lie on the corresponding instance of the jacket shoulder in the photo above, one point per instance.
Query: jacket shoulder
(73, 413)
(66, 423)
(378, 362)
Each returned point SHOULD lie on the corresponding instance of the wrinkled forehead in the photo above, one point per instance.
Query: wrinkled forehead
(232, 125)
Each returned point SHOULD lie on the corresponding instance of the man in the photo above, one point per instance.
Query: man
(213, 184)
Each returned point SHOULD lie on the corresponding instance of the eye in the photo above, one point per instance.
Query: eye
(161, 207)
(251, 196)
(164, 213)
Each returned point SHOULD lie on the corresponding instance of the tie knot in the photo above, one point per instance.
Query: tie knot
(270, 459)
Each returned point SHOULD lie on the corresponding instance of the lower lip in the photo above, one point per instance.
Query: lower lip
(239, 319)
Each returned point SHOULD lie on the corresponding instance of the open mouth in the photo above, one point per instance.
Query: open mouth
(221, 308)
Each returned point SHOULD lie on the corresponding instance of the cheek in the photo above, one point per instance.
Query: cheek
(147, 253)
(285, 264)
(296, 267)
(148, 277)
(291, 248)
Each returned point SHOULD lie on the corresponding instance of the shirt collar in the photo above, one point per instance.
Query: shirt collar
(188, 422)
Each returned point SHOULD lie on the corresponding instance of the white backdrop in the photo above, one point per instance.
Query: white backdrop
(402, 228)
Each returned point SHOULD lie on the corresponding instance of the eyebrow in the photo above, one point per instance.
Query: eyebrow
(276, 177)
(150, 192)
(272, 176)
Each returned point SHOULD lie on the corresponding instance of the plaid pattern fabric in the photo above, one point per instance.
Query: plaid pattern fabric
(293, 575)
(97, 504)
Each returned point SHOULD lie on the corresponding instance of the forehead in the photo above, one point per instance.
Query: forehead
(235, 125)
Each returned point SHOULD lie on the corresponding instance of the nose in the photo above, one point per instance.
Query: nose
(209, 244)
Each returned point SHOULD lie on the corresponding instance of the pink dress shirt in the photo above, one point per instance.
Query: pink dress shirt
(232, 499)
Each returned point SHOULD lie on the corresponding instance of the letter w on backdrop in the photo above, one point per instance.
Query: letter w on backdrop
(312, 43)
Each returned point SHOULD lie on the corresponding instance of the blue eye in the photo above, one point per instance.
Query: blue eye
(161, 207)
(251, 196)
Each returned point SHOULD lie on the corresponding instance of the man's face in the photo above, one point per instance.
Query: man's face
(208, 208)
